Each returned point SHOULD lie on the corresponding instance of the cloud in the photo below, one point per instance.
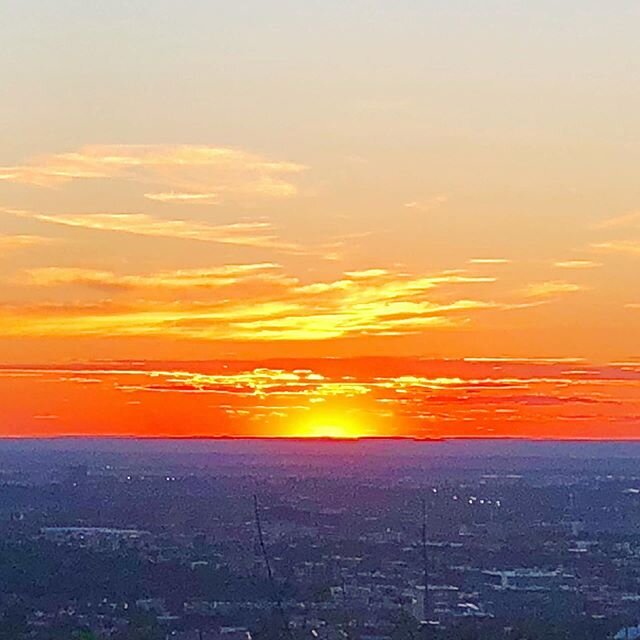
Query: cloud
(192, 173)
(374, 302)
(16, 242)
(577, 264)
(213, 278)
(489, 261)
(550, 289)
(197, 198)
(627, 220)
(259, 234)
(627, 247)
(259, 382)
(525, 360)
(427, 205)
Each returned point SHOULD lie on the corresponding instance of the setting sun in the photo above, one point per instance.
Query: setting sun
(338, 427)
(339, 431)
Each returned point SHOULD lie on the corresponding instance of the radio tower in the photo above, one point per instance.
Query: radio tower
(274, 589)
(426, 605)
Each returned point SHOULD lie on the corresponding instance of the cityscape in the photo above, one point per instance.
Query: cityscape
(252, 539)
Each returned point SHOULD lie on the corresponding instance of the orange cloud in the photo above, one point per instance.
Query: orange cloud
(489, 261)
(628, 247)
(184, 198)
(372, 302)
(550, 289)
(15, 242)
(182, 279)
(194, 172)
(577, 264)
(259, 234)
(427, 205)
(628, 220)
(259, 382)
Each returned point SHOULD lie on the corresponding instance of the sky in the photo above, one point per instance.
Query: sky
(412, 218)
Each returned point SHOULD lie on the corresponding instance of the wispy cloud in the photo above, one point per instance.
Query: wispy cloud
(260, 234)
(192, 173)
(577, 264)
(526, 360)
(627, 220)
(196, 198)
(373, 302)
(550, 289)
(260, 382)
(628, 247)
(489, 261)
(15, 242)
(198, 279)
(430, 204)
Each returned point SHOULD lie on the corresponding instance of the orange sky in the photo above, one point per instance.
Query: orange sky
(376, 219)
(414, 397)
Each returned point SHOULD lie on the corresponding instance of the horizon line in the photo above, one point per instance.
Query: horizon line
(310, 439)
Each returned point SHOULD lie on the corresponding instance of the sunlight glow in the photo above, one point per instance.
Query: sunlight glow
(342, 427)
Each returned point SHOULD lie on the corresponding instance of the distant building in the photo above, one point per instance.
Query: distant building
(628, 633)
(224, 633)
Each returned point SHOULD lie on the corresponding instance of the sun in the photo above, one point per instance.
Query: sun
(337, 427)
(338, 431)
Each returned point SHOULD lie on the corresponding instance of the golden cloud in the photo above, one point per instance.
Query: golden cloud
(193, 279)
(489, 261)
(551, 288)
(181, 279)
(15, 242)
(428, 205)
(577, 264)
(198, 198)
(193, 173)
(628, 247)
(373, 302)
(260, 382)
(259, 234)
(627, 220)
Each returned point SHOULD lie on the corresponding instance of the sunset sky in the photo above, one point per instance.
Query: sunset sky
(320, 218)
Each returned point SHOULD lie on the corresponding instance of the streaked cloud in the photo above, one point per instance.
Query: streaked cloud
(16, 242)
(627, 220)
(260, 382)
(196, 198)
(260, 234)
(372, 302)
(188, 173)
(550, 289)
(489, 261)
(577, 264)
(217, 277)
(430, 204)
(627, 247)
(522, 360)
